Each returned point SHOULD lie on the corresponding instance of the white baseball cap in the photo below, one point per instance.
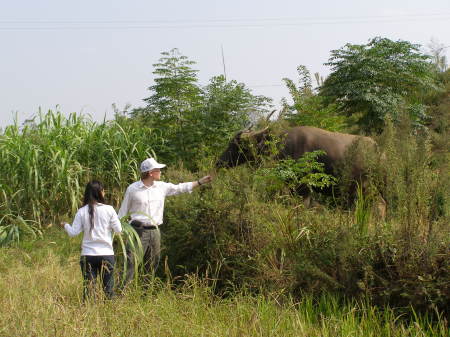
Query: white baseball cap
(150, 164)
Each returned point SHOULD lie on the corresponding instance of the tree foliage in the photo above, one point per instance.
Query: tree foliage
(195, 121)
(379, 80)
(305, 171)
(227, 107)
(307, 107)
(174, 102)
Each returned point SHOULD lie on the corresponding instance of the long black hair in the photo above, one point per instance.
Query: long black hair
(92, 195)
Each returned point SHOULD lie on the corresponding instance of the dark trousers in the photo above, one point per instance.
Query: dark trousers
(97, 266)
(151, 246)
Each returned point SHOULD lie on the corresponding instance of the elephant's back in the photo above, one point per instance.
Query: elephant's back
(302, 139)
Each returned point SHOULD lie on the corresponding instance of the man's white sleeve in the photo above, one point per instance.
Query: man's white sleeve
(172, 189)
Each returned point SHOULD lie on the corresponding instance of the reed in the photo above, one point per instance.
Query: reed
(47, 162)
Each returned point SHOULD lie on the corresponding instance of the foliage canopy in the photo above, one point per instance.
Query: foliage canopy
(195, 121)
(307, 107)
(378, 80)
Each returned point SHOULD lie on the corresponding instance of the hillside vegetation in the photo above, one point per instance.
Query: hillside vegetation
(246, 243)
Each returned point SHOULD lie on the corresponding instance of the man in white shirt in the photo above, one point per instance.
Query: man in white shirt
(144, 203)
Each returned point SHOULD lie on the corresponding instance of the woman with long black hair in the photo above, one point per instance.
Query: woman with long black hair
(98, 222)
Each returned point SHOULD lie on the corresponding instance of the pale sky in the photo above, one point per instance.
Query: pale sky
(86, 55)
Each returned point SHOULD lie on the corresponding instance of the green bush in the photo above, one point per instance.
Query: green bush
(240, 231)
(243, 234)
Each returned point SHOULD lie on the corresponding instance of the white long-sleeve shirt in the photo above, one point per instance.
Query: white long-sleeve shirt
(99, 240)
(146, 204)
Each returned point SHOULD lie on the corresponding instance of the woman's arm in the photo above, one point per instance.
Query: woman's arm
(76, 227)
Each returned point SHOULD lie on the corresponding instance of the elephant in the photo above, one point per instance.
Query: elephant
(341, 149)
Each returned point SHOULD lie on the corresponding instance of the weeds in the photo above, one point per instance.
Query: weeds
(253, 236)
(46, 300)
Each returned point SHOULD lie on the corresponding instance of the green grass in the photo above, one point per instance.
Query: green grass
(46, 164)
(41, 296)
(240, 229)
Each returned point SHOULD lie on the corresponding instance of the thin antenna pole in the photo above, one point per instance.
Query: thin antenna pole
(223, 62)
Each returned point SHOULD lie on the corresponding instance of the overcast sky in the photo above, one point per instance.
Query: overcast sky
(85, 55)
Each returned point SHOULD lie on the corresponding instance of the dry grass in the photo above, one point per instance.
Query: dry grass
(41, 296)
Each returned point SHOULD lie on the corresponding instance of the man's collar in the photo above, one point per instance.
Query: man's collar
(142, 185)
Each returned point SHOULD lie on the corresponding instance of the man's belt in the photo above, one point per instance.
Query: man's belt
(142, 225)
(150, 227)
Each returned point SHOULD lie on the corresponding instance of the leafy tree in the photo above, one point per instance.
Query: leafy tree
(174, 103)
(379, 80)
(176, 91)
(228, 107)
(194, 121)
(308, 108)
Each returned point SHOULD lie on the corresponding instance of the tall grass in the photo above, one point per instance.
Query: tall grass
(46, 300)
(252, 236)
(47, 162)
